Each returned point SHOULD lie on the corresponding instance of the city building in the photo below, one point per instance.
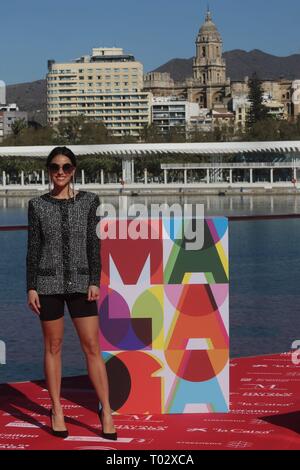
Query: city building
(106, 86)
(210, 87)
(222, 119)
(9, 113)
(296, 97)
(275, 108)
(160, 84)
(240, 106)
(168, 112)
(2, 93)
(202, 122)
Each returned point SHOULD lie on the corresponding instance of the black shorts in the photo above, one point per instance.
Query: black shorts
(52, 306)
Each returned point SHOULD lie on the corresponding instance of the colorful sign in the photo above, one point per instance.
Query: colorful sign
(164, 318)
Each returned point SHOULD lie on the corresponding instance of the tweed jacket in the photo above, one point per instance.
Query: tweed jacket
(63, 247)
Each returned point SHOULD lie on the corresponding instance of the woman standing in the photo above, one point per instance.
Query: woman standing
(64, 264)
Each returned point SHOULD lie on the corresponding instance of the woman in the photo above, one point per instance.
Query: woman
(64, 264)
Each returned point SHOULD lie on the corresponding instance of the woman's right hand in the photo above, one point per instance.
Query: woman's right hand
(34, 301)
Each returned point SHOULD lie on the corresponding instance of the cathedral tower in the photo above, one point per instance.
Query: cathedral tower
(209, 68)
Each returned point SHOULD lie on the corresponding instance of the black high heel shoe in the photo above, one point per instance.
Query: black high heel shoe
(106, 435)
(62, 434)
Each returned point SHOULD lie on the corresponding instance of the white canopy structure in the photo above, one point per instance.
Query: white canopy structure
(139, 150)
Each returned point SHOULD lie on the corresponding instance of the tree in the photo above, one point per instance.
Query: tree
(264, 130)
(81, 130)
(31, 136)
(93, 132)
(258, 110)
(176, 134)
(151, 134)
(18, 125)
(69, 129)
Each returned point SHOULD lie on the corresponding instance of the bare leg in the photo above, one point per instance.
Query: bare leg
(53, 337)
(88, 332)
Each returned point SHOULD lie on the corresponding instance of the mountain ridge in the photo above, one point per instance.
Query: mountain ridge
(240, 64)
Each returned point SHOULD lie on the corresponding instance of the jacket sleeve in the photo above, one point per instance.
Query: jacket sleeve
(33, 247)
(94, 243)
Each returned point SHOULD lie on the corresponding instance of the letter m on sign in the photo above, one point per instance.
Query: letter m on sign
(133, 261)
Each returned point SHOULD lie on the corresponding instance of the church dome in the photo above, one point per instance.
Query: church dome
(209, 29)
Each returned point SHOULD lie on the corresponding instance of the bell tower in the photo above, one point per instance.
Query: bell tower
(209, 66)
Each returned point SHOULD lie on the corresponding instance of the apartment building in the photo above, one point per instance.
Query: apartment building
(104, 86)
(169, 111)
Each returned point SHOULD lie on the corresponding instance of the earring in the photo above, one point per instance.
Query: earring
(73, 181)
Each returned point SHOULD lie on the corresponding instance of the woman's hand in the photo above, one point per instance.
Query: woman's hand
(34, 301)
(93, 293)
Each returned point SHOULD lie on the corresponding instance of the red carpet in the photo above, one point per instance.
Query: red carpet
(265, 404)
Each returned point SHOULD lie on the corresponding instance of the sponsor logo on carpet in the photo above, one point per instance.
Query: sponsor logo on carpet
(13, 446)
(23, 424)
(125, 427)
(121, 440)
(239, 444)
(197, 443)
(18, 436)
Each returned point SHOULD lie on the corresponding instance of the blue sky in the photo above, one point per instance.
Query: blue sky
(32, 31)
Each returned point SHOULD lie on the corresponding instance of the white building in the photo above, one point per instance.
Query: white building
(202, 121)
(9, 113)
(275, 108)
(296, 97)
(240, 107)
(168, 112)
(2, 93)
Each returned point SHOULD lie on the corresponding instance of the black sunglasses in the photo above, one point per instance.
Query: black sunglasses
(54, 167)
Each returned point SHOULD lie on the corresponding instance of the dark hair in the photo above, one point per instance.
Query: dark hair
(61, 151)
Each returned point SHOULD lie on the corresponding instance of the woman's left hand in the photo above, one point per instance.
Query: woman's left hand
(93, 293)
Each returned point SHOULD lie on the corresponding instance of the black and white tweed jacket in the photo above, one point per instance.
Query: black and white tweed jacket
(63, 248)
